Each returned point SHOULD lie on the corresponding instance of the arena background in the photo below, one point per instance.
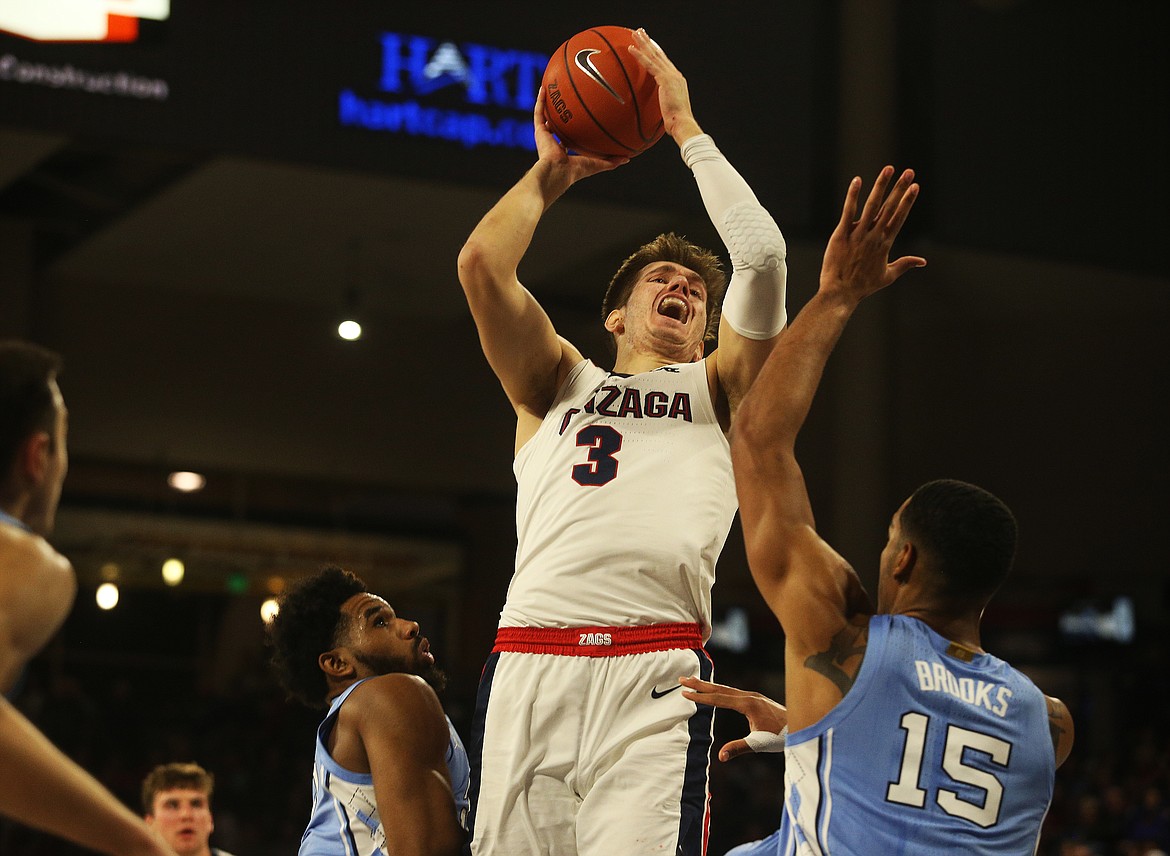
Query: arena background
(187, 215)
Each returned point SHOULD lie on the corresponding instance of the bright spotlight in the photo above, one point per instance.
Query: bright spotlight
(186, 482)
(173, 571)
(268, 610)
(349, 330)
(107, 596)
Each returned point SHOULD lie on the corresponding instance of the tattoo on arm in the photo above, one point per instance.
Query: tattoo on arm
(1056, 724)
(849, 642)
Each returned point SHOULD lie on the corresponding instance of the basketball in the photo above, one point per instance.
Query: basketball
(598, 99)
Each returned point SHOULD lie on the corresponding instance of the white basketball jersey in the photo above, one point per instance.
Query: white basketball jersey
(625, 498)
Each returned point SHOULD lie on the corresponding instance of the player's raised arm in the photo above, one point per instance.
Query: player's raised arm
(753, 311)
(809, 587)
(517, 336)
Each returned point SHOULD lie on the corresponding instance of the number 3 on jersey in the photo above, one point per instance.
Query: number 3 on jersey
(603, 442)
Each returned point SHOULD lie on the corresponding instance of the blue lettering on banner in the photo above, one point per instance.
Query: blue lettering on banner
(413, 119)
(416, 67)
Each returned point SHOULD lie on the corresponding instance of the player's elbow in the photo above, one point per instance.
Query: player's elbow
(755, 242)
(479, 279)
(449, 842)
(444, 837)
(470, 263)
(477, 268)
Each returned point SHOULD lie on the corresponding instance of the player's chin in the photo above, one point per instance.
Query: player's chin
(678, 334)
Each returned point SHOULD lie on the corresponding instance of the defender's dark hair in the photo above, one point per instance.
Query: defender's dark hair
(970, 534)
(175, 776)
(26, 401)
(670, 248)
(308, 624)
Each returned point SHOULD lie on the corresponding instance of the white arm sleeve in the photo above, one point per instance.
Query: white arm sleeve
(754, 305)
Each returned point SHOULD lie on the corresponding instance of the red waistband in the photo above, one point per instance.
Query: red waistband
(597, 641)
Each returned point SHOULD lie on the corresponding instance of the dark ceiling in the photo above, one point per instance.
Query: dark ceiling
(194, 289)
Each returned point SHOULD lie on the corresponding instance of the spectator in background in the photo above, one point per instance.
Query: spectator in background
(176, 799)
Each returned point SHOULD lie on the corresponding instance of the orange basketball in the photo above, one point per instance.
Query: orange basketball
(598, 99)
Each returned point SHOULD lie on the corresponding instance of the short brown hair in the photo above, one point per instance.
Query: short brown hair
(670, 247)
(175, 776)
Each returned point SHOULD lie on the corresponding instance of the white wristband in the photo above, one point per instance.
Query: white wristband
(767, 741)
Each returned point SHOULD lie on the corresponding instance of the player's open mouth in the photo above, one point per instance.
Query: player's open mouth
(424, 650)
(674, 307)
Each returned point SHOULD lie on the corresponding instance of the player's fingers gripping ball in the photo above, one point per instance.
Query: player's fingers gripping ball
(598, 99)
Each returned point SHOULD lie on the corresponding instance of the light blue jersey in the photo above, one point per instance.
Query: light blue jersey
(932, 751)
(345, 819)
(5, 517)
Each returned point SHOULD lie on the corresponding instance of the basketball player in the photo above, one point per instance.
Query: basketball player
(39, 786)
(625, 498)
(390, 774)
(176, 799)
(904, 734)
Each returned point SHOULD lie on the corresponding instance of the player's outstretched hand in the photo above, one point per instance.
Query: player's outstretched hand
(673, 96)
(762, 713)
(549, 148)
(856, 260)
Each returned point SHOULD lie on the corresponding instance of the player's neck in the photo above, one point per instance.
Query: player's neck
(633, 360)
(962, 630)
(14, 504)
(639, 363)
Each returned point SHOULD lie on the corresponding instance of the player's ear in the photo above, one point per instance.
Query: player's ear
(34, 455)
(616, 322)
(905, 562)
(335, 664)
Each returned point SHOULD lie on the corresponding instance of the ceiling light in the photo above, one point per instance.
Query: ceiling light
(349, 330)
(186, 482)
(268, 610)
(173, 571)
(107, 596)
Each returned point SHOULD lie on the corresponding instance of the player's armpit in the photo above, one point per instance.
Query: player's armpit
(1060, 726)
(737, 362)
(826, 632)
(840, 660)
